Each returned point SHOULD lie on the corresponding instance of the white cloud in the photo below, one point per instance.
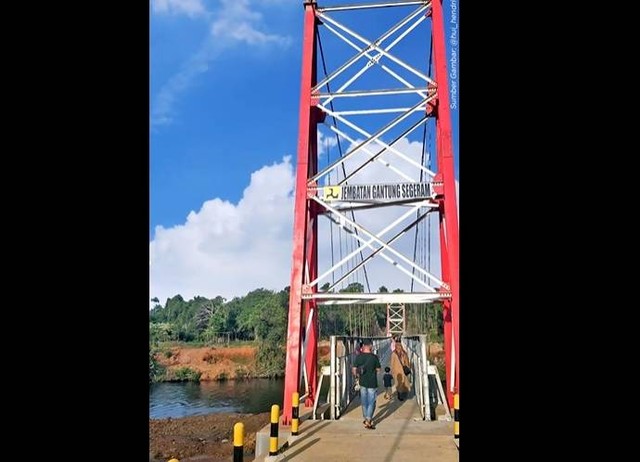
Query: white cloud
(235, 21)
(191, 8)
(238, 20)
(162, 113)
(327, 142)
(230, 249)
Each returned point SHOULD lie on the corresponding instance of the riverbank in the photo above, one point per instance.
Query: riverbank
(188, 363)
(209, 438)
(184, 362)
(207, 363)
(205, 438)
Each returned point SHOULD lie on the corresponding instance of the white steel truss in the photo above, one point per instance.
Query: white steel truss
(396, 318)
(375, 146)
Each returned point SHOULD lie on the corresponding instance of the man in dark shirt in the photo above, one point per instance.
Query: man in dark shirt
(366, 366)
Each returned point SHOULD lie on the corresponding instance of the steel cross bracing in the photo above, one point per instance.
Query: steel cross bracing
(374, 243)
(377, 96)
(395, 319)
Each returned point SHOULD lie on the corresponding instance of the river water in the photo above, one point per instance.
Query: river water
(187, 398)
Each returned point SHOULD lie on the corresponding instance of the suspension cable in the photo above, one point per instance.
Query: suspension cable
(430, 162)
(415, 240)
(353, 217)
(423, 235)
(430, 218)
(422, 162)
(331, 223)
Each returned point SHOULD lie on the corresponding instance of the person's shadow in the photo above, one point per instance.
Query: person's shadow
(387, 409)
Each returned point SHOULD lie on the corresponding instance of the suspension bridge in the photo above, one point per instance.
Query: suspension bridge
(375, 207)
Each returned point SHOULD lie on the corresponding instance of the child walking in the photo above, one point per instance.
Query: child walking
(387, 378)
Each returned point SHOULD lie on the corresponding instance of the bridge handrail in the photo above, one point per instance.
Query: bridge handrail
(343, 353)
(416, 348)
(341, 383)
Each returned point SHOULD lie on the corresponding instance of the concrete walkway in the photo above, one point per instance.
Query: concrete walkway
(400, 435)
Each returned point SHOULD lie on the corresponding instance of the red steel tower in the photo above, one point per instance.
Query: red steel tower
(382, 187)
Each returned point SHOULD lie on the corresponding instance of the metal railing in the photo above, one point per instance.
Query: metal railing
(343, 353)
(425, 382)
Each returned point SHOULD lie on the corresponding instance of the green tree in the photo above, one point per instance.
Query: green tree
(271, 334)
(354, 287)
(160, 332)
(249, 308)
(156, 371)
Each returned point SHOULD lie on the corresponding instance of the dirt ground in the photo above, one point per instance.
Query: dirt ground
(207, 438)
(214, 363)
(223, 363)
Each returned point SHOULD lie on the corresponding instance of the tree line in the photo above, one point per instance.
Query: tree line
(261, 316)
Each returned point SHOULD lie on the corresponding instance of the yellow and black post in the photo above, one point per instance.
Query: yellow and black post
(238, 442)
(273, 439)
(456, 415)
(295, 403)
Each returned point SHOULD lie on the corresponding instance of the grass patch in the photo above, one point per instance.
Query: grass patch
(157, 372)
(243, 372)
(183, 374)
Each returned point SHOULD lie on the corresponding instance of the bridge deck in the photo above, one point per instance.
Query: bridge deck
(400, 435)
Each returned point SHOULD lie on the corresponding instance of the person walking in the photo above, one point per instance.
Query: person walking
(366, 368)
(387, 379)
(400, 369)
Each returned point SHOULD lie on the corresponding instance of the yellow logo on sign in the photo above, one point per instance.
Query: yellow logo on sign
(332, 193)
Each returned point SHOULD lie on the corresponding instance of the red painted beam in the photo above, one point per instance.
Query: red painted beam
(300, 221)
(446, 169)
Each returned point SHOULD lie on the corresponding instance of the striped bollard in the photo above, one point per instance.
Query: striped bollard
(456, 415)
(295, 406)
(273, 439)
(238, 442)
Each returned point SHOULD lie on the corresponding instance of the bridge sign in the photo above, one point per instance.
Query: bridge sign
(378, 192)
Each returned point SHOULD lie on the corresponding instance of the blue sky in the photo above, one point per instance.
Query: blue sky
(224, 92)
